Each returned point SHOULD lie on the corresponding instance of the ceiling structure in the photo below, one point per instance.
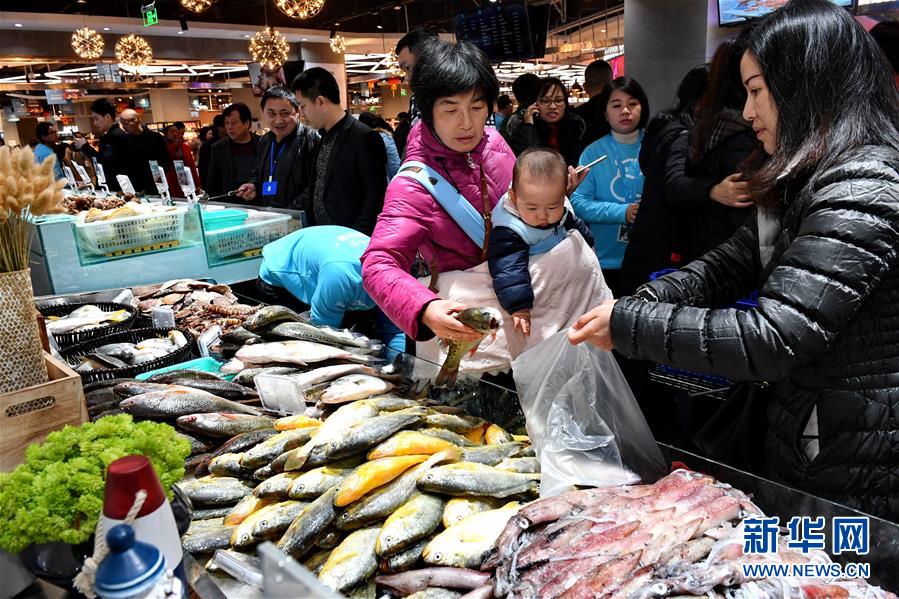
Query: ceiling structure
(396, 16)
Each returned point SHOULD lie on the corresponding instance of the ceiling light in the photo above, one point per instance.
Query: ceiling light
(133, 51)
(269, 48)
(18, 24)
(180, 32)
(380, 26)
(197, 6)
(398, 7)
(87, 43)
(304, 40)
(247, 35)
(300, 9)
(603, 30)
(106, 29)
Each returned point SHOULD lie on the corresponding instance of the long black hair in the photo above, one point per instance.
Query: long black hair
(725, 91)
(833, 89)
(632, 88)
(690, 90)
(445, 69)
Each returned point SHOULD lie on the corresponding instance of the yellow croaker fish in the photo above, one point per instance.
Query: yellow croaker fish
(373, 474)
(484, 320)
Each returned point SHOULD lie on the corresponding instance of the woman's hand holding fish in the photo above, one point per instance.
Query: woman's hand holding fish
(438, 317)
(594, 327)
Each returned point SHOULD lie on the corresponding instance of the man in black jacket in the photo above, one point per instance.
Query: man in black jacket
(232, 159)
(115, 153)
(285, 158)
(148, 145)
(351, 166)
(597, 76)
(205, 158)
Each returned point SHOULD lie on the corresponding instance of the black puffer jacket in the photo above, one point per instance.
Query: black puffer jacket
(826, 331)
(522, 135)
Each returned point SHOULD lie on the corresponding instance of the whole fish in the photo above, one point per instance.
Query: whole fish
(295, 422)
(172, 375)
(243, 441)
(267, 317)
(215, 490)
(219, 388)
(418, 580)
(85, 316)
(297, 352)
(224, 424)
(452, 422)
(315, 482)
(355, 386)
(522, 465)
(276, 486)
(447, 435)
(244, 508)
(459, 508)
(361, 436)
(468, 479)
(324, 374)
(275, 518)
(490, 455)
(409, 443)
(228, 464)
(312, 522)
(495, 434)
(412, 522)
(242, 536)
(176, 402)
(352, 561)
(246, 376)
(307, 332)
(121, 351)
(483, 320)
(405, 559)
(208, 537)
(238, 336)
(382, 502)
(465, 544)
(371, 475)
(258, 456)
(132, 388)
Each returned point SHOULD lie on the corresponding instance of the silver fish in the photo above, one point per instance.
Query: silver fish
(297, 352)
(353, 387)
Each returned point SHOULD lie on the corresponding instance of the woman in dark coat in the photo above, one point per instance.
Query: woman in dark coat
(548, 122)
(824, 248)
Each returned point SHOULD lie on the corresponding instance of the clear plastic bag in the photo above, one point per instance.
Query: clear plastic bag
(582, 418)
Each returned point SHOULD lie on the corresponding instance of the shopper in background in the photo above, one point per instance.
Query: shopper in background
(148, 145)
(285, 160)
(717, 201)
(48, 139)
(378, 124)
(181, 128)
(178, 150)
(407, 51)
(402, 132)
(456, 88)
(504, 110)
(656, 239)
(524, 88)
(73, 156)
(115, 152)
(597, 76)
(232, 158)
(351, 165)
(549, 122)
(823, 246)
(609, 196)
(218, 132)
(320, 267)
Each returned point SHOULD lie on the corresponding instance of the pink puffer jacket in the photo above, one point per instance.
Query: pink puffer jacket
(412, 221)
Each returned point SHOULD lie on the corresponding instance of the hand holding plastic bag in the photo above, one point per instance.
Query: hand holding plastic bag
(582, 418)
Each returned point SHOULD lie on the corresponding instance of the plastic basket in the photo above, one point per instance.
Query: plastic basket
(65, 340)
(132, 234)
(246, 239)
(72, 354)
(217, 220)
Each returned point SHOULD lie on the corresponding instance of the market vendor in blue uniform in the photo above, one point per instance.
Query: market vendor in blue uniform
(320, 266)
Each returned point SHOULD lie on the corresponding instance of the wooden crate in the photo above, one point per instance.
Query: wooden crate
(28, 415)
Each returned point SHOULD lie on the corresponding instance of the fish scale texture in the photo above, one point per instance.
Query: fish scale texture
(826, 331)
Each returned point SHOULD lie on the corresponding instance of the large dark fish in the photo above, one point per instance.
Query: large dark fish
(483, 320)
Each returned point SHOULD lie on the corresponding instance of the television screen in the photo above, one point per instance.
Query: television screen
(501, 30)
(734, 12)
(864, 7)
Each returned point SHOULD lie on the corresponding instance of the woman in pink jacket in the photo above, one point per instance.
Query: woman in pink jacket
(455, 88)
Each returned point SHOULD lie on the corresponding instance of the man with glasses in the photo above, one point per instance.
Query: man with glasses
(148, 145)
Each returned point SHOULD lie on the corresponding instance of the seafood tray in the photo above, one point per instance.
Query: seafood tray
(245, 240)
(65, 340)
(72, 354)
(131, 235)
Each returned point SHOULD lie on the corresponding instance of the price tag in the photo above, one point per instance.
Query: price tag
(125, 184)
(159, 178)
(186, 181)
(101, 174)
(209, 338)
(82, 173)
(70, 176)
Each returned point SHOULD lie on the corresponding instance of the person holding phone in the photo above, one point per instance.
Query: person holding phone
(609, 196)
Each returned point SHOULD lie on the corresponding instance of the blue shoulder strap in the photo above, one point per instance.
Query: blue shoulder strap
(454, 203)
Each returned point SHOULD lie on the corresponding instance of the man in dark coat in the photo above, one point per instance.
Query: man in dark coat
(351, 165)
(115, 155)
(148, 145)
(232, 159)
(597, 76)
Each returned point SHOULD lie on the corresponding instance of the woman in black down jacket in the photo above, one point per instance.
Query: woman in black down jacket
(824, 248)
(548, 122)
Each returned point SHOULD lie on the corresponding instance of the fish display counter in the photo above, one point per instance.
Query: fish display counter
(73, 254)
